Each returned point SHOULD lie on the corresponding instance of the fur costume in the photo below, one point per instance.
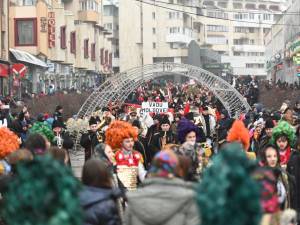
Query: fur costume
(43, 192)
(9, 142)
(117, 132)
(239, 133)
(227, 193)
(43, 129)
(184, 127)
(284, 129)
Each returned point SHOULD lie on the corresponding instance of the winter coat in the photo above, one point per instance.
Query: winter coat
(162, 201)
(99, 206)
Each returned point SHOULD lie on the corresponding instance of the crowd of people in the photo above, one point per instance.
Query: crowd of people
(193, 164)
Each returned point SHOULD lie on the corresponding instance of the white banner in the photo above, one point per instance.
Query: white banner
(154, 107)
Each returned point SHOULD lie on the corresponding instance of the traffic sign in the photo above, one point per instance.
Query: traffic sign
(19, 69)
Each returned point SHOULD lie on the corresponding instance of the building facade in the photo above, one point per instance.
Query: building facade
(65, 40)
(4, 64)
(162, 31)
(283, 46)
(111, 26)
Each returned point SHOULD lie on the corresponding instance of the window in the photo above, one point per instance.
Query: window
(27, 2)
(251, 16)
(243, 41)
(175, 15)
(244, 29)
(266, 16)
(86, 48)
(102, 56)
(89, 5)
(63, 41)
(108, 26)
(255, 65)
(153, 30)
(217, 28)
(110, 60)
(106, 57)
(174, 30)
(73, 42)
(26, 32)
(217, 40)
(153, 45)
(153, 15)
(217, 14)
(93, 51)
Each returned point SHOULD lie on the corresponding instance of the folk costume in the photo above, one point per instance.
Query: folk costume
(129, 162)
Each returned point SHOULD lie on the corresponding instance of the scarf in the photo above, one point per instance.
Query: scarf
(285, 156)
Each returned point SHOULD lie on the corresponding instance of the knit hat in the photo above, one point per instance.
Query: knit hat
(164, 164)
(92, 121)
(40, 117)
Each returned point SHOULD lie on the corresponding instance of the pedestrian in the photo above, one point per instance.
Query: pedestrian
(37, 144)
(285, 185)
(90, 140)
(62, 139)
(98, 199)
(284, 137)
(164, 197)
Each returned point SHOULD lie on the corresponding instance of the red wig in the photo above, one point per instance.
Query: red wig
(117, 132)
(240, 133)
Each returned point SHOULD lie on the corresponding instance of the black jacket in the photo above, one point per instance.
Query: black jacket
(156, 144)
(68, 143)
(99, 206)
(293, 168)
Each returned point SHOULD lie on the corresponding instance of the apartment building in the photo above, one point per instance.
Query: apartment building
(111, 26)
(283, 46)
(4, 64)
(161, 31)
(62, 43)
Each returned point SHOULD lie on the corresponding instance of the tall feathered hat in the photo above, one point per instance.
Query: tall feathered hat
(184, 127)
(43, 192)
(226, 185)
(9, 142)
(43, 129)
(283, 128)
(239, 133)
(117, 132)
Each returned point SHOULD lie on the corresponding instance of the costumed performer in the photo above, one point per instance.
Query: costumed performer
(121, 136)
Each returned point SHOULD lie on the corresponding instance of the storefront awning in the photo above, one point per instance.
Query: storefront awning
(27, 57)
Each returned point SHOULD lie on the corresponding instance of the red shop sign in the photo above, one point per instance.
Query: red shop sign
(4, 70)
(19, 69)
(51, 29)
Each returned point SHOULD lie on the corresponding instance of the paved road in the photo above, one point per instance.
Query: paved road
(77, 161)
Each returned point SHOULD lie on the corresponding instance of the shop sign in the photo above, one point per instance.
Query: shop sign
(279, 66)
(51, 29)
(19, 69)
(43, 24)
(296, 59)
(295, 47)
(4, 70)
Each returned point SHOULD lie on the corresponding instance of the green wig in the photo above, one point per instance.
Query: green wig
(43, 192)
(283, 128)
(227, 194)
(43, 129)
